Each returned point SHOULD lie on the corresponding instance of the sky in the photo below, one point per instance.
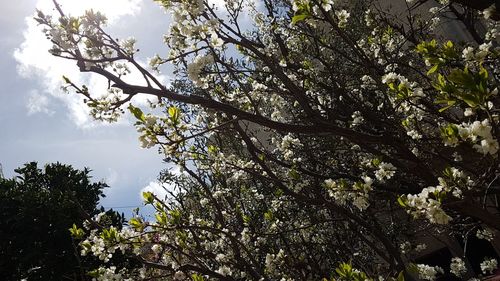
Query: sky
(38, 122)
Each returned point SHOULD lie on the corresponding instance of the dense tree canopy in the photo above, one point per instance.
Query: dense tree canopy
(316, 138)
(37, 209)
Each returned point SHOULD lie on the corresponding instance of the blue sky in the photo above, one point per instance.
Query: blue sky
(40, 123)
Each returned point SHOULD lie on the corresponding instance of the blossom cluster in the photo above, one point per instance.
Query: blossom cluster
(478, 133)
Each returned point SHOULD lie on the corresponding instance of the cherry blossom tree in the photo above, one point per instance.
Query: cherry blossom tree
(315, 138)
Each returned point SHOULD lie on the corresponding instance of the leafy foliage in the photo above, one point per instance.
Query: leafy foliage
(38, 208)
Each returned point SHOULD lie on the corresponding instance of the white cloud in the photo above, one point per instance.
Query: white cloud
(34, 61)
(161, 190)
(112, 177)
(218, 3)
(38, 103)
(113, 9)
(245, 17)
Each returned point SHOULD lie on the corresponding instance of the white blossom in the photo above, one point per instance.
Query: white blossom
(385, 171)
(457, 266)
(427, 272)
(342, 16)
(485, 234)
(488, 265)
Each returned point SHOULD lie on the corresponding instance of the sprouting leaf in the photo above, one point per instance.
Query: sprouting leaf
(136, 223)
(174, 114)
(161, 218)
(212, 149)
(148, 197)
(376, 162)
(451, 130)
(66, 80)
(344, 270)
(196, 277)
(76, 232)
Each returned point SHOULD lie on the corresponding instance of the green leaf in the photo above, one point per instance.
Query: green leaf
(449, 51)
(376, 162)
(402, 202)
(212, 149)
(175, 216)
(76, 232)
(299, 18)
(148, 197)
(294, 174)
(279, 192)
(471, 100)
(483, 72)
(161, 218)
(405, 122)
(441, 80)
(303, 12)
(344, 270)
(109, 234)
(433, 69)
(412, 268)
(450, 104)
(137, 112)
(268, 215)
(93, 273)
(462, 77)
(174, 114)
(196, 277)
(401, 276)
(451, 130)
(136, 223)
(247, 219)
